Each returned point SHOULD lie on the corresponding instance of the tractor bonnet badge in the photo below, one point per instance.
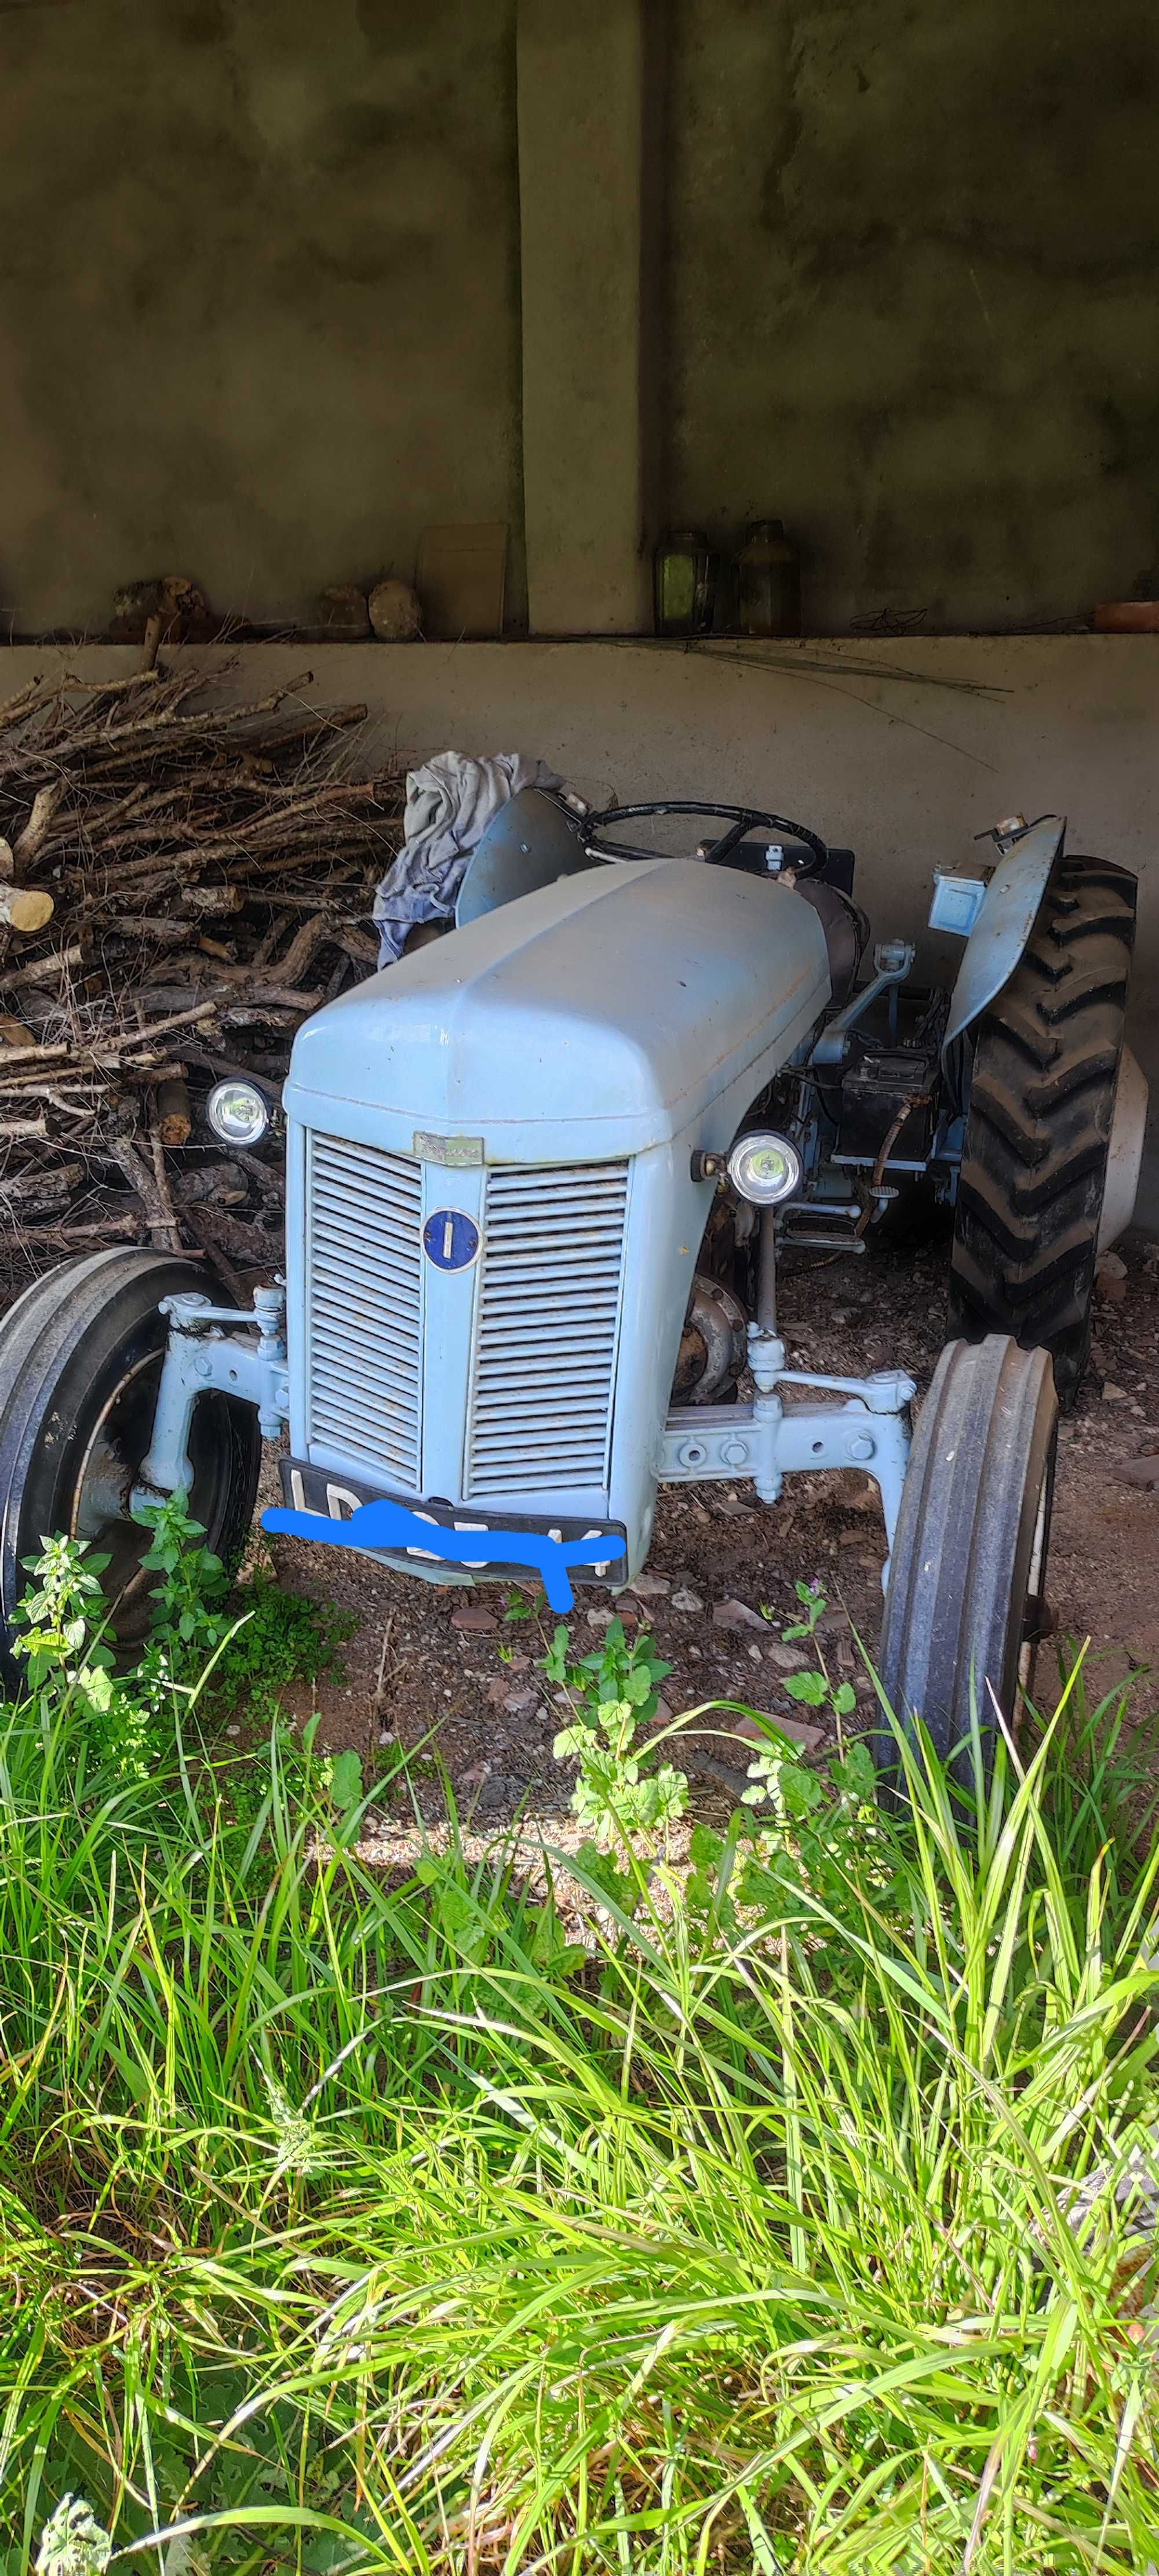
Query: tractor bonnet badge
(450, 1239)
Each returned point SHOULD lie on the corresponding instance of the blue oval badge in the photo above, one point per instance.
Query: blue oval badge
(450, 1239)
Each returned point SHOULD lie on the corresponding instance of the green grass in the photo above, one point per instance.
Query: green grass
(353, 2225)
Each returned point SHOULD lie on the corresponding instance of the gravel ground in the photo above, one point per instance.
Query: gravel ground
(441, 1674)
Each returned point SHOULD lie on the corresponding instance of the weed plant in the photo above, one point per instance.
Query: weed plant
(806, 2228)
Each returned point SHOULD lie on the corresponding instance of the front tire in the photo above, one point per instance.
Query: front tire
(1047, 1055)
(80, 1362)
(965, 1600)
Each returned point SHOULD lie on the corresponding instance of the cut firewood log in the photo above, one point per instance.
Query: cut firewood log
(202, 877)
(174, 1112)
(25, 907)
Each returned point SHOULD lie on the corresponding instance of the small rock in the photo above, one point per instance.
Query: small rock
(651, 1587)
(233, 1730)
(755, 1653)
(689, 1602)
(798, 1732)
(518, 1663)
(736, 1614)
(518, 1700)
(863, 1686)
(562, 1698)
(394, 612)
(478, 1621)
(844, 1658)
(386, 1735)
(342, 610)
(503, 1789)
(855, 1552)
(599, 1618)
(1114, 1394)
(1138, 1471)
(473, 1778)
(788, 1659)
(694, 1655)
(733, 1509)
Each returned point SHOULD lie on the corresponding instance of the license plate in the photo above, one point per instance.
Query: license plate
(334, 1497)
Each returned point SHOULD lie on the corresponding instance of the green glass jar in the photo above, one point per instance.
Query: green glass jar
(685, 577)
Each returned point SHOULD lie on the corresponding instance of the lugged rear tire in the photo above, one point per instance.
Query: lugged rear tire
(1038, 1126)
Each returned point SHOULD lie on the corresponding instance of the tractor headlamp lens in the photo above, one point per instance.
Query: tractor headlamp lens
(238, 1112)
(764, 1169)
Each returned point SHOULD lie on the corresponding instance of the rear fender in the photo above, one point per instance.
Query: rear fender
(1004, 923)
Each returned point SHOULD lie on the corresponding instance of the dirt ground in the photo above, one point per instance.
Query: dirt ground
(441, 1673)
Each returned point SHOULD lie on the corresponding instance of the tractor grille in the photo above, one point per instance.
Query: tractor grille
(545, 1336)
(364, 1290)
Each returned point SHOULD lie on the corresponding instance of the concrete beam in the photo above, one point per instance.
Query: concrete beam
(589, 189)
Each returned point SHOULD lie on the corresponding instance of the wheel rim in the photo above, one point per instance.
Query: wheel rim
(1034, 1611)
(98, 1512)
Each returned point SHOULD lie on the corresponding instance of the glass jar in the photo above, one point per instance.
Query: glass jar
(685, 577)
(769, 581)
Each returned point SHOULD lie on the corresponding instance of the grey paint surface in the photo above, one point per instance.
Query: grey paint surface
(904, 752)
(259, 299)
(913, 297)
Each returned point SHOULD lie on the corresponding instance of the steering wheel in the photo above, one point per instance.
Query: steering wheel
(741, 819)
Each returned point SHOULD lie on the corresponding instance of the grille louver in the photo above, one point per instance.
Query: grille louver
(546, 1327)
(365, 1299)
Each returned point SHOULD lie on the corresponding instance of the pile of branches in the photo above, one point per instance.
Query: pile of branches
(181, 882)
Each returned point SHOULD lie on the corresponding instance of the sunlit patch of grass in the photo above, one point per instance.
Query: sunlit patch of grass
(351, 2226)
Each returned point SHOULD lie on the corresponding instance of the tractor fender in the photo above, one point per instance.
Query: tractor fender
(1005, 920)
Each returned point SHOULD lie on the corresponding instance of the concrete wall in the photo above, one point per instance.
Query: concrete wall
(912, 296)
(259, 295)
(904, 752)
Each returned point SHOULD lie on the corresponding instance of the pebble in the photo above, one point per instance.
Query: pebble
(1114, 1394)
(687, 1601)
(386, 1735)
(755, 1652)
(520, 1699)
(796, 1728)
(788, 1659)
(651, 1587)
(736, 1614)
(480, 1622)
(599, 1618)
(233, 1730)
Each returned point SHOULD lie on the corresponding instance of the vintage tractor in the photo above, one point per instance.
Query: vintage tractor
(539, 1175)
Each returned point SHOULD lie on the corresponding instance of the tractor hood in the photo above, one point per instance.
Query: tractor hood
(596, 1017)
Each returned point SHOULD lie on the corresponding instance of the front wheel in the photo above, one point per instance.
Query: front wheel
(80, 1364)
(965, 1604)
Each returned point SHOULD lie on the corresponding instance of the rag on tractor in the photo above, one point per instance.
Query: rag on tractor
(539, 1175)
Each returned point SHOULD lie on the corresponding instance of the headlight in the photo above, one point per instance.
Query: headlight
(238, 1112)
(764, 1169)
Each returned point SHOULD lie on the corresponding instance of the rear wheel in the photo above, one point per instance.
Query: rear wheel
(965, 1604)
(1047, 1055)
(80, 1364)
